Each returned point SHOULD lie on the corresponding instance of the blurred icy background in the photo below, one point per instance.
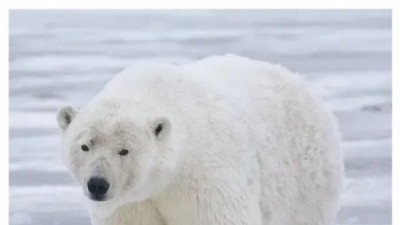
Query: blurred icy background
(65, 57)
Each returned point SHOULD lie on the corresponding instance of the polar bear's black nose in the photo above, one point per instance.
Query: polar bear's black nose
(98, 186)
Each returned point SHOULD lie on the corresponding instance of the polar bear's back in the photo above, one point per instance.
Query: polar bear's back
(231, 79)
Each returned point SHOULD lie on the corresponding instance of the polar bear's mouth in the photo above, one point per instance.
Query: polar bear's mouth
(98, 197)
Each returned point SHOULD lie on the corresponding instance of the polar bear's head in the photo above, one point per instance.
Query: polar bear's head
(116, 156)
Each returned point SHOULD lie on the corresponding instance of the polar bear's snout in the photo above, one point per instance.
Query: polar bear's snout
(98, 188)
(98, 184)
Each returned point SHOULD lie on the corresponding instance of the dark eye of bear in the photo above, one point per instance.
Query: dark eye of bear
(123, 152)
(158, 129)
(84, 148)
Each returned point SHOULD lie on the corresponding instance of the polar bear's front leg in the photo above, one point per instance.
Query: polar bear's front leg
(227, 208)
(142, 213)
(224, 199)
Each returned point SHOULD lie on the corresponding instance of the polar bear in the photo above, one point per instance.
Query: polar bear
(225, 140)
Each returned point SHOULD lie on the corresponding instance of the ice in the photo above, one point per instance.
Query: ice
(65, 57)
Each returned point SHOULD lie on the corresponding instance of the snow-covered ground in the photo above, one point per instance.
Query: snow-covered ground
(65, 57)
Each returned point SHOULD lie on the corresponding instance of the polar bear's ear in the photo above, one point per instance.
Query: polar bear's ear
(161, 127)
(65, 116)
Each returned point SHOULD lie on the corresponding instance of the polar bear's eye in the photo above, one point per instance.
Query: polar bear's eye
(84, 148)
(158, 129)
(123, 152)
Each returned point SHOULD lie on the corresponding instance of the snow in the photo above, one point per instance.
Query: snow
(66, 57)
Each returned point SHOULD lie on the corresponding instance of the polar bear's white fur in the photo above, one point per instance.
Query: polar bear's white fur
(221, 141)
